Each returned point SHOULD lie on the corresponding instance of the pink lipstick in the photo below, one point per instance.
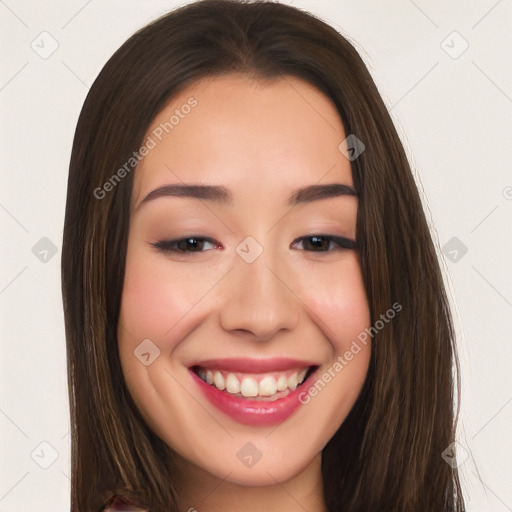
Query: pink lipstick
(259, 392)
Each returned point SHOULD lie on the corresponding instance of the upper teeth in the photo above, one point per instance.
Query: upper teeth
(250, 386)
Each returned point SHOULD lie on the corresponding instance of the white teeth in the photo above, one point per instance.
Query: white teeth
(249, 387)
(282, 383)
(232, 384)
(218, 380)
(267, 386)
(292, 381)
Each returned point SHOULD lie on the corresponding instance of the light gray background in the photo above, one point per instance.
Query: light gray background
(455, 114)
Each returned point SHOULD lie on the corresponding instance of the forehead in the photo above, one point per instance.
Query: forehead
(251, 135)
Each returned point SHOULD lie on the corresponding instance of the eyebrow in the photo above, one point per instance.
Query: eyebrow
(221, 194)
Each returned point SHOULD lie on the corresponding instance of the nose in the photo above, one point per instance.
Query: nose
(258, 298)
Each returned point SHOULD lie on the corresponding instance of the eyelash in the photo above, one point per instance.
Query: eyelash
(171, 245)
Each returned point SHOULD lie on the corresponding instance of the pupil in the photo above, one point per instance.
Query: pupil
(317, 241)
(193, 243)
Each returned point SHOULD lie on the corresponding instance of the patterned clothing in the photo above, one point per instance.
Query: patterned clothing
(121, 504)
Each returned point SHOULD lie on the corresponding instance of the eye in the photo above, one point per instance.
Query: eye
(184, 245)
(311, 243)
(324, 243)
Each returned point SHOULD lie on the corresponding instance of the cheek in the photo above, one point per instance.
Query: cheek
(341, 308)
(156, 300)
(339, 303)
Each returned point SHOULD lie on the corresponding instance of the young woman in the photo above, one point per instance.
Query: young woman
(255, 314)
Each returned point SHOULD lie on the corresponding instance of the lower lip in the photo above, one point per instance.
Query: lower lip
(252, 412)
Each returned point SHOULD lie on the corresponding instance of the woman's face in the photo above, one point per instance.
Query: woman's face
(230, 283)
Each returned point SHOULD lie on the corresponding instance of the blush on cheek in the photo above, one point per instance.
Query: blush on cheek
(156, 304)
(343, 311)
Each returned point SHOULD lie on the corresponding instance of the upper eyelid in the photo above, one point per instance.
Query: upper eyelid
(338, 240)
(177, 240)
(332, 238)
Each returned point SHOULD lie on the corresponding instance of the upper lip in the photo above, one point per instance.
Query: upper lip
(248, 365)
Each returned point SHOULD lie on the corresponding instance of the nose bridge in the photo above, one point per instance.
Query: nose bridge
(257, 299)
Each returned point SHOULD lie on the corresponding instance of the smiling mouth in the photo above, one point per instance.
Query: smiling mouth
(255, 386)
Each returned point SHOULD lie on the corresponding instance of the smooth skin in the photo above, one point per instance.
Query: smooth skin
(262, 141)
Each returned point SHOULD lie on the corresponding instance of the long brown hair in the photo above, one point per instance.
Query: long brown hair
(387, 454)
